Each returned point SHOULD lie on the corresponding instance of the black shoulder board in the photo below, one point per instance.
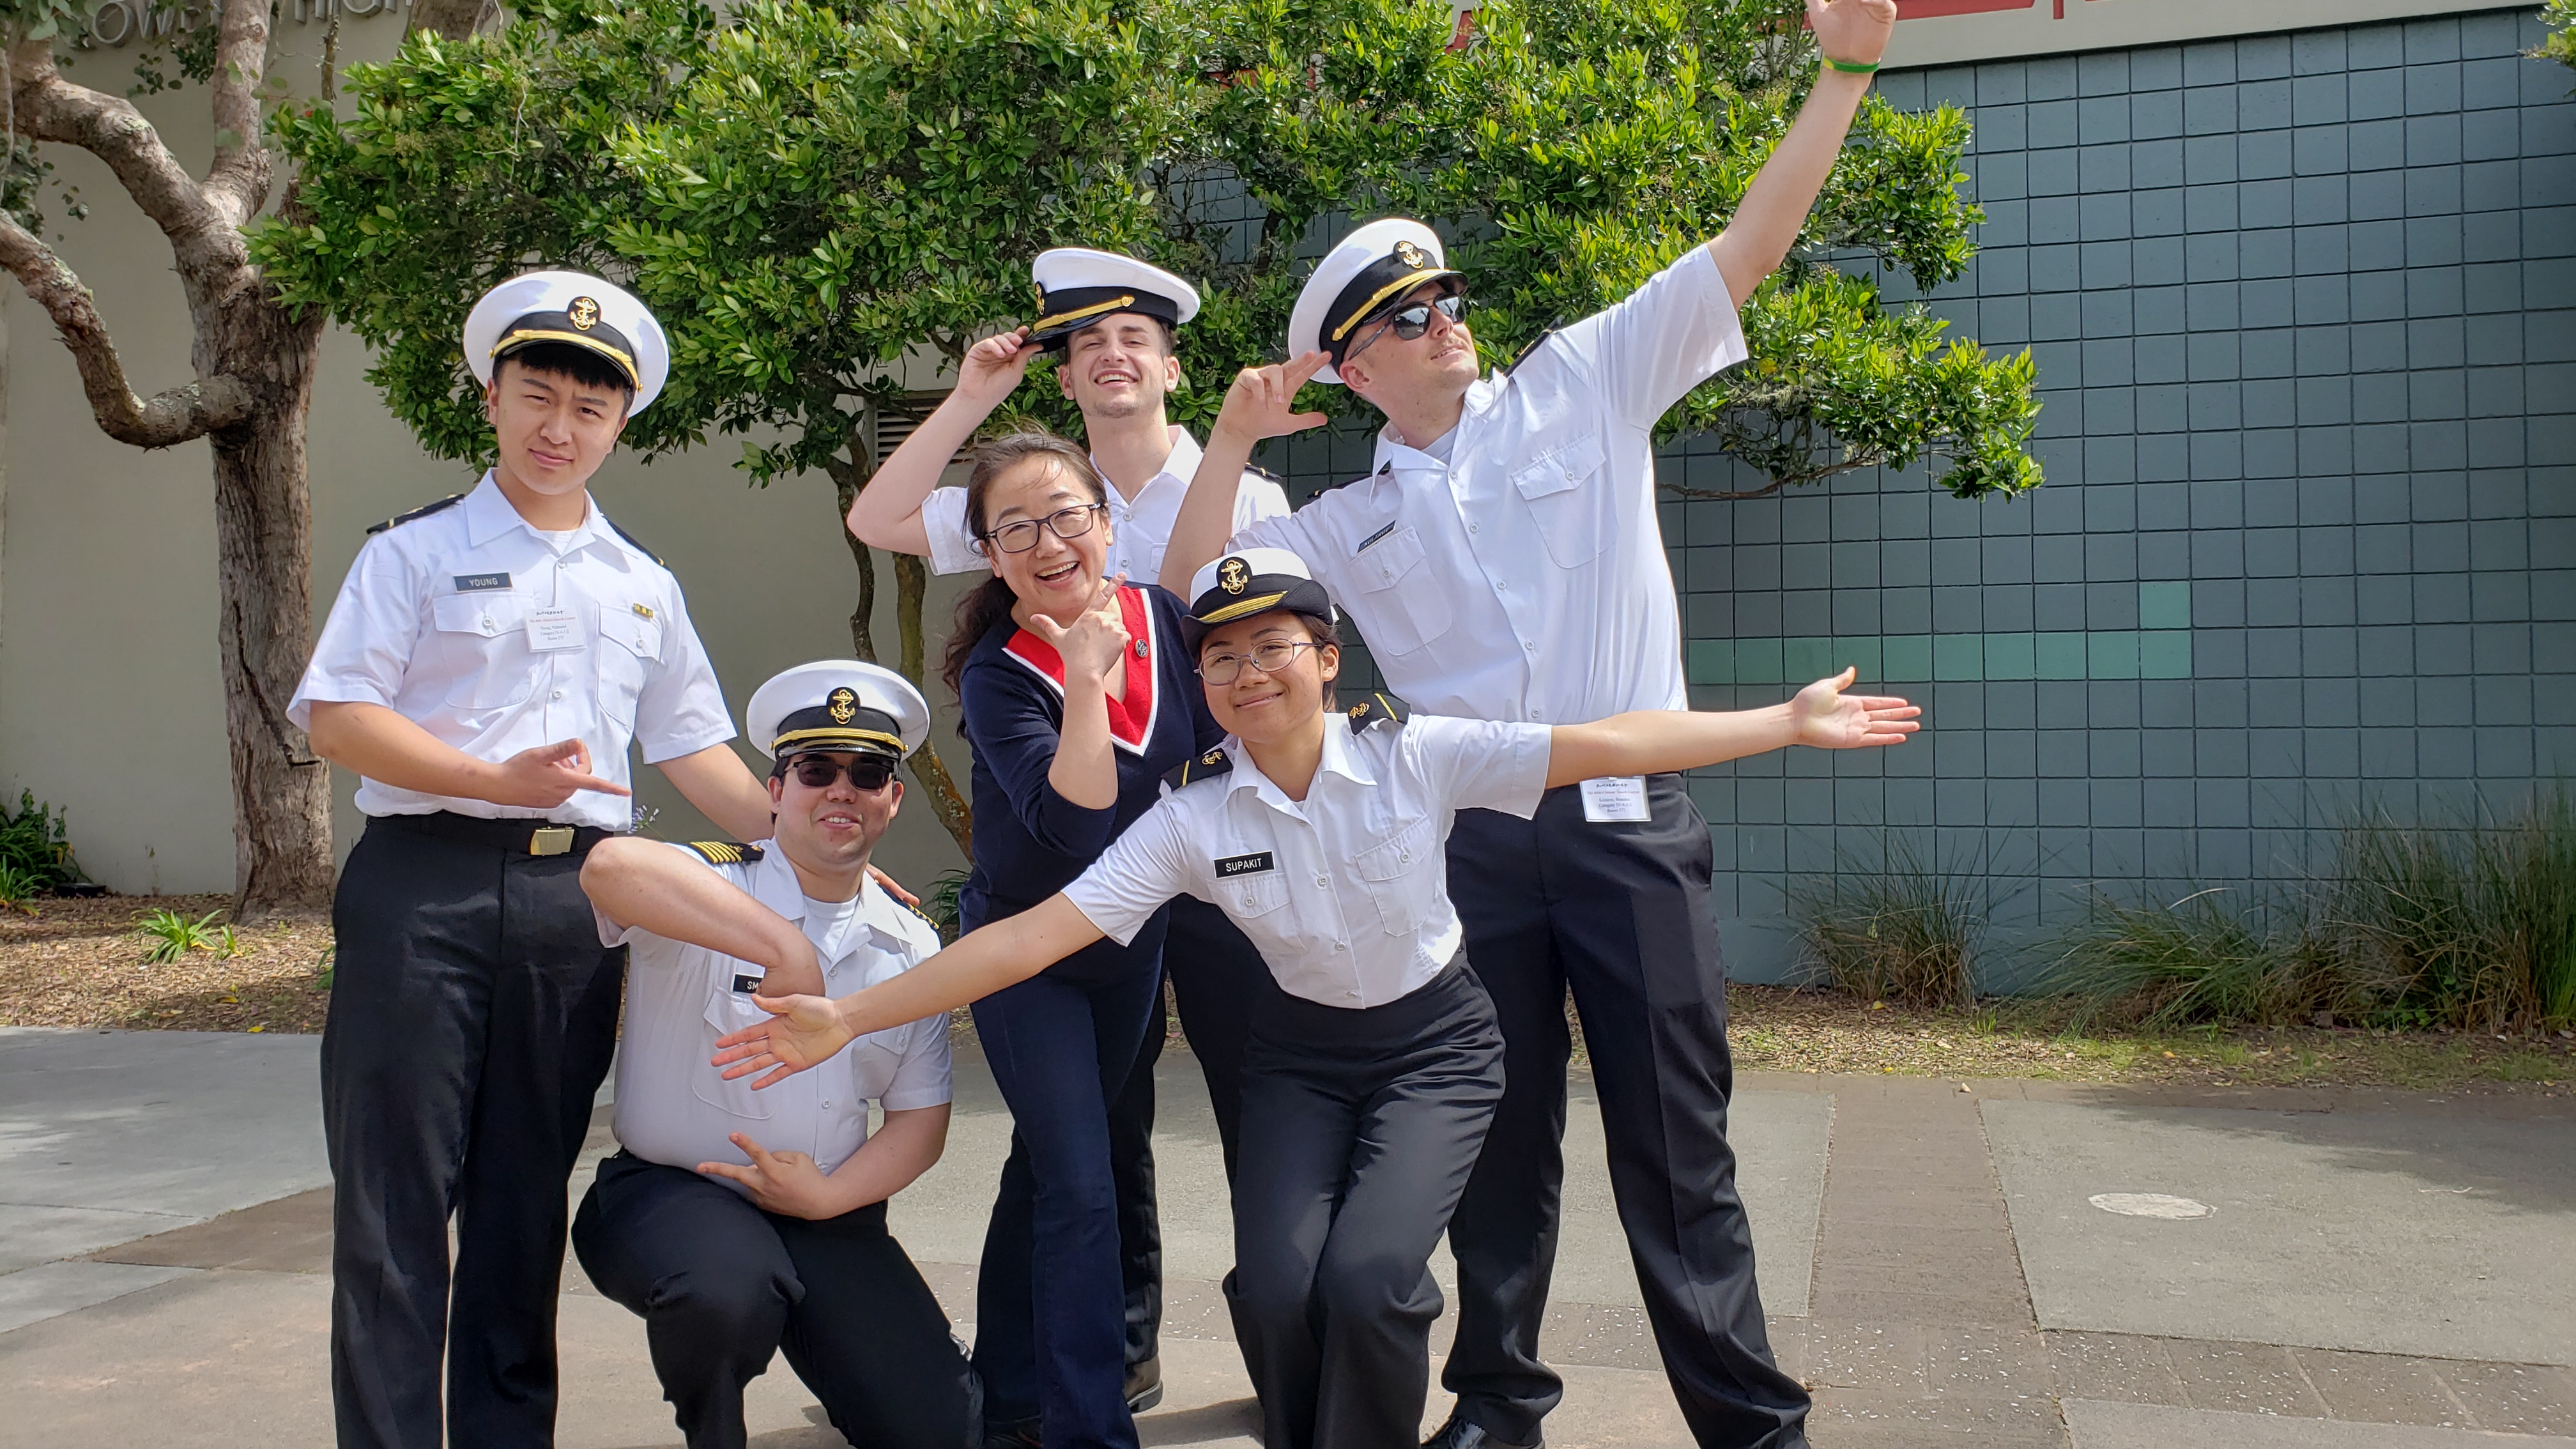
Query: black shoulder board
(1535, 344)
(1372, 710)
(1257, 471)
(637, 542)
(442, 505)
(1206, 767)
(725, 852)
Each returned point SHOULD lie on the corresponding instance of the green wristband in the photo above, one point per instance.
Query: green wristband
(1852, 68)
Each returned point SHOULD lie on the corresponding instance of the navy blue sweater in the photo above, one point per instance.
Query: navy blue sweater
(1030, 842)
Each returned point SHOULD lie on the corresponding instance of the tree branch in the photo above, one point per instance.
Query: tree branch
(50, 108)
(452, 19)
(168, 418)
(238, 182)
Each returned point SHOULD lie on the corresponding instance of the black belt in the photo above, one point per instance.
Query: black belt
(524, 837)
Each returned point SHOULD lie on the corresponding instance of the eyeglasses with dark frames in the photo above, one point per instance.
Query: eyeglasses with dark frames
(868, 773)
(1409, 322)
(1269, 658)
(1022, 535)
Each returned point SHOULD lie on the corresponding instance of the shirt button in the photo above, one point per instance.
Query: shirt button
(558, 694)
(487, 621)
(1530, 648)
(1471, 528)
(1337, 945)
(1324, 882)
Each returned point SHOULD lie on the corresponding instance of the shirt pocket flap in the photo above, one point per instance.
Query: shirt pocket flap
(1248, 896)
(1562, 469)
(490, 615)
(727, 1013)
(1381, 563)
(1396, 858)
(635, 624)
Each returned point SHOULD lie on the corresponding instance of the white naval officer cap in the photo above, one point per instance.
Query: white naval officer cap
(576, 309)
(1364, 274)
(1252, 581)
(838, 704)
(1078, 286)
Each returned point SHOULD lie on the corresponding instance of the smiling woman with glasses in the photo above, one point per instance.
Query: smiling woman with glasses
(1021, 535)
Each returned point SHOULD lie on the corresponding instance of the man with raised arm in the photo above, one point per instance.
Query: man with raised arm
(1504, 562)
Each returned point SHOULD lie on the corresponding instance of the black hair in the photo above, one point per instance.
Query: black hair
(988, 604)
(562, 359)
(1062, 347)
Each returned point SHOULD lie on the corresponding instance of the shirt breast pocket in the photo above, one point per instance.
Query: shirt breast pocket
(1400, 605)
(630, 634)
(726, 1014)
(1392, 873)
(483, 643)
(1567, 496)
(1248, 898)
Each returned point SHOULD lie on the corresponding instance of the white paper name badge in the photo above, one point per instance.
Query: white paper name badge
(551, 629)
(1620, 797)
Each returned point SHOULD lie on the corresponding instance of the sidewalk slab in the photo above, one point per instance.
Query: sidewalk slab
(2094, 1424)
(2419, 1233)
(36, 1294)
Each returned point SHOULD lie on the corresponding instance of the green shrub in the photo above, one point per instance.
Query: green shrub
(19, 889)
(2205, 958)
(1905, 934)
(941, 905)
(173, 935)
(35, 842)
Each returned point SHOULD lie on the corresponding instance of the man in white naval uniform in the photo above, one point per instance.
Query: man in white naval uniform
(1504, 562)
(739, 1224)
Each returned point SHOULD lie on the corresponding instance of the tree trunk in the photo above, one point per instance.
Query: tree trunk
(264, 527)
(911, 577)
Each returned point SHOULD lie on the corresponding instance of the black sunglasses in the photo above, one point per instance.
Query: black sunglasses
(868, 774)
(1412, 321)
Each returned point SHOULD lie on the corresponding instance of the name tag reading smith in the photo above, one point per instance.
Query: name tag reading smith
(1228, 867)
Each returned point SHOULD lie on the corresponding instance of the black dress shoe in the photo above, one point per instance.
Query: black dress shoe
(1144, 1384)
(1460, 1434)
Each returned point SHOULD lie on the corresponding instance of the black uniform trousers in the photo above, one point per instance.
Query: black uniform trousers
(722, 1285)
(1216, 974)
(1368, 1122)
(1619, 912)
(473, 1013)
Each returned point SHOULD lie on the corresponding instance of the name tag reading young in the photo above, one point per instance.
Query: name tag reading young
(552, 629)
(1617, 798)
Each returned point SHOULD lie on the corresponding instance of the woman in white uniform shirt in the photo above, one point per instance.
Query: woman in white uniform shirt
(1374, 1067)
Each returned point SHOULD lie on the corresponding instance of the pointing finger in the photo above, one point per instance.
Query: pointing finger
(743, 1175)
(757, 1153)
(604, 787)
(1302, 369)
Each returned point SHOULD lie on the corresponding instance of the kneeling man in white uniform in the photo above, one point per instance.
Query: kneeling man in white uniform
(738, 1223)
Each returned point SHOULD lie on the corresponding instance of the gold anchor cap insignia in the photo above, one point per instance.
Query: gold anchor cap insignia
(843, 704)
(1411, 255)
(583, 313)
(1233, 575)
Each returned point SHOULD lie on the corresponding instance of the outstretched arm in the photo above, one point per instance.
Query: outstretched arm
(1257, 406)
(1776, 204)
(1660, 741)
(887, 513)
(807, 1030)
(647, 884)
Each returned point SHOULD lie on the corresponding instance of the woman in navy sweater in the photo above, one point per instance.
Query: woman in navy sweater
(1078, 696)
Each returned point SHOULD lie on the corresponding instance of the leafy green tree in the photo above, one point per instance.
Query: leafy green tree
(1571, 148)
(2560, 46)
(804, 195)
(249, 378)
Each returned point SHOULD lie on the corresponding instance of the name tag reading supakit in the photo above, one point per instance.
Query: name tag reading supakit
(1230, 866)
(551, 629)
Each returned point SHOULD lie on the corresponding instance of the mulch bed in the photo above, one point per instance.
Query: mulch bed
(79, 963)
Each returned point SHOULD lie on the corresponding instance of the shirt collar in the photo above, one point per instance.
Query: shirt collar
(1341, 757)
(1179, 466)
(488, 515)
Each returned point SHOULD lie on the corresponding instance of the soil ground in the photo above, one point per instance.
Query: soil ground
(80, 963)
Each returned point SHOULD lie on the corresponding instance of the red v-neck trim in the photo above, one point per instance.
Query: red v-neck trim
(1131, 720)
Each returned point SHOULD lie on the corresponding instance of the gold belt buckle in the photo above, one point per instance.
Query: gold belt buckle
(551, 840)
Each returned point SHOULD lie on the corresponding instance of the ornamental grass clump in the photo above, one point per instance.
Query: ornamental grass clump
(2470, 927)
(1907, 934)
(2208, 957)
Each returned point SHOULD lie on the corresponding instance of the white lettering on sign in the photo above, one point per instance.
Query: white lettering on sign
(115, 22)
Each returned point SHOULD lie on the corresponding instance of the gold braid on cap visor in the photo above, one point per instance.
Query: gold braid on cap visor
(530, 334)
(1401, 284)
(1114, 304)
(1241, 608)
(852, 739)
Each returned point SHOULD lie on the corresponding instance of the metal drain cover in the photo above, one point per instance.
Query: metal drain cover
(2150, 1205)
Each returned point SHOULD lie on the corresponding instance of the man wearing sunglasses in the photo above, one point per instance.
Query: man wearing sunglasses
(739, 1223)
(1504, 562)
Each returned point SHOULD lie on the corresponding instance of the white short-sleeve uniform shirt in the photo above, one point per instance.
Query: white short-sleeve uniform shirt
(497, 638)
(675, 1109)
(1346, 892)
(1141, 527)
(1525, 577)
